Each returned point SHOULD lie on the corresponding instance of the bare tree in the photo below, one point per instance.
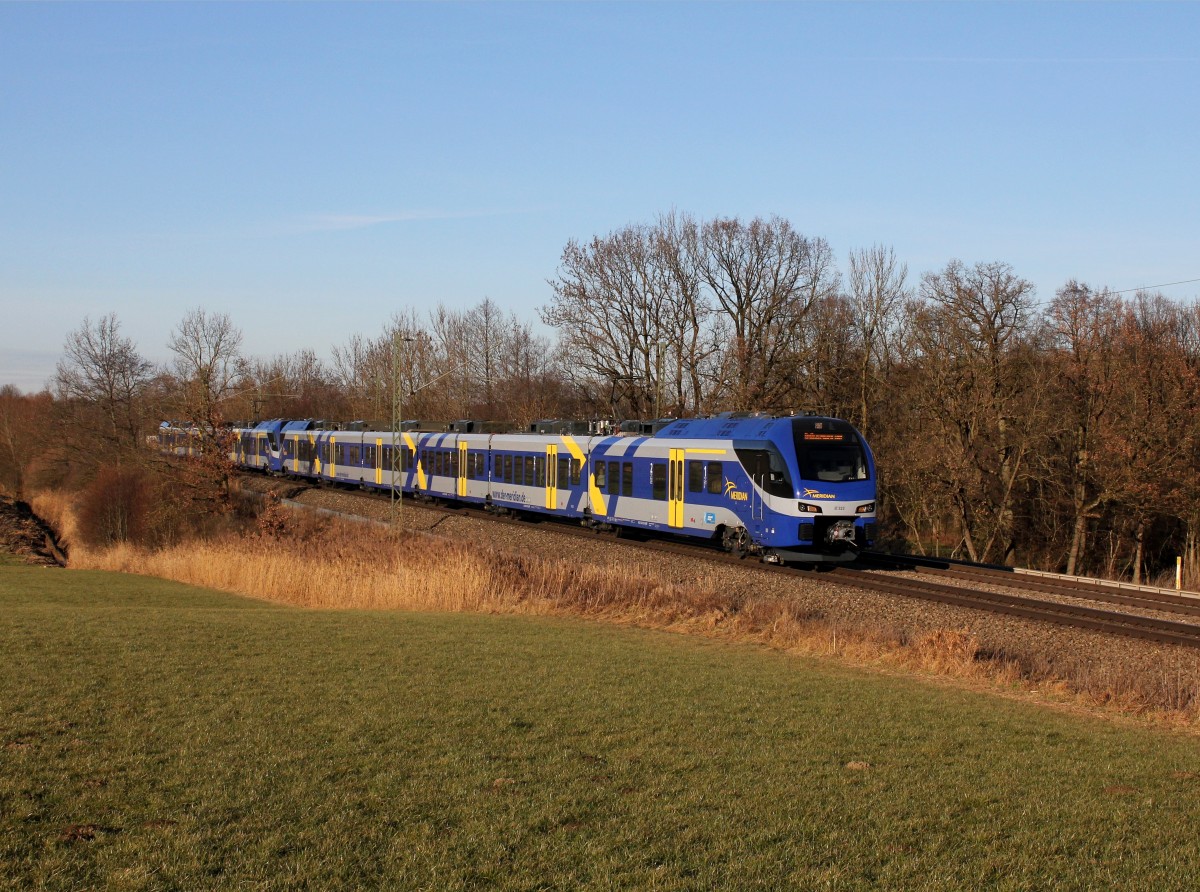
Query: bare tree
(1084, 328)
(105, 376)
(973, 331)
(26, 448)
(610, 306)
(765, 277)
(876, 291)
(208, 362)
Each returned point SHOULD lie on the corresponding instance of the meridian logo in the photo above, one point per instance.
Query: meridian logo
(733, 492)
(816, 494)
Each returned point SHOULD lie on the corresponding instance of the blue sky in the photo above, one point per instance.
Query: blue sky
(312, 169)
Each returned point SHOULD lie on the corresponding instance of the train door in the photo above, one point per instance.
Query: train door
(462, 468)
(552, 476)
(379, 461)
(675, 488)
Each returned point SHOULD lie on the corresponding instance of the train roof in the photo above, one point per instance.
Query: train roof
(757, 427)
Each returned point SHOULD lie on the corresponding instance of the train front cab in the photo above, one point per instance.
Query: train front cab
(829, 482)
(791, 489)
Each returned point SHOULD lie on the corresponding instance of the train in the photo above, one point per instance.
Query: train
(785, 489)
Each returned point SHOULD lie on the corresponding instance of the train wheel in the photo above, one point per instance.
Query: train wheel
(736, 541)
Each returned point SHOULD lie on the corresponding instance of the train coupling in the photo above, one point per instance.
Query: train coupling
(841, 531)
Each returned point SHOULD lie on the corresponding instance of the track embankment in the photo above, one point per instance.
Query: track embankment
(26, 536)
(1103, 666)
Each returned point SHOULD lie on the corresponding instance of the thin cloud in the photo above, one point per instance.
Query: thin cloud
(1027, 60)
(343, 222)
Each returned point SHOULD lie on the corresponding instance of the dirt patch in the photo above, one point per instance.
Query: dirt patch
(25, 535)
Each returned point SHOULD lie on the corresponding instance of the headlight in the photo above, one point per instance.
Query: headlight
(806, 508)
(868, 508)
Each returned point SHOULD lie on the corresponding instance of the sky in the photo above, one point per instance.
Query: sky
(313, 169)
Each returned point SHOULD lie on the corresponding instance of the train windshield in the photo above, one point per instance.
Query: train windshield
(830, 452)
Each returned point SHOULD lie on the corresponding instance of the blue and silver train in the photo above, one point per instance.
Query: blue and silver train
(785, 489)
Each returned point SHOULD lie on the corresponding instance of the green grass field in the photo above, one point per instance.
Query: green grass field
(155, 736)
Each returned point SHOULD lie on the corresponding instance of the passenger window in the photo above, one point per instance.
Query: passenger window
(564, 473)
(695, 476)
(601, 475)
(627, 479)
(539, 471)
(576, 469)
(614, 477)
(529, 471)
(508, 469)
(658, 481)
(716, 477)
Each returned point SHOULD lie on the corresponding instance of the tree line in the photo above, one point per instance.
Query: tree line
(1062, 435)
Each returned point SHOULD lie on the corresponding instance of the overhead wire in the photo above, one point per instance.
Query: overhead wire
(1148, 287)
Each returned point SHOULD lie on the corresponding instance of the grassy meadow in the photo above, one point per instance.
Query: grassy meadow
(159, 736)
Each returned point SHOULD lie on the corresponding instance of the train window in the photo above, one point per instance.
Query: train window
(529, 471)
(614, 477)
(766, 468)
(716, 476)
(576, 471)
(539, 471)
(454, 463)
(564, 473)
(835, 455)
(354, 456)
(627, 479)
(658, 481)
(601, 475)
(508, 474)
(695, 476)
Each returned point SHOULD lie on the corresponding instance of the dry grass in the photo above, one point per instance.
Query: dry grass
(56, 508)
(335, 564)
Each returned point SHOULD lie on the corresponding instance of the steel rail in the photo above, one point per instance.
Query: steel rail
(1143, 598)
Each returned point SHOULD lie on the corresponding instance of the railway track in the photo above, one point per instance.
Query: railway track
(1064, 613)
(1140, 597)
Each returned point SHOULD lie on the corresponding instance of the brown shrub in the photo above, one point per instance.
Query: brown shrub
(115, 507)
